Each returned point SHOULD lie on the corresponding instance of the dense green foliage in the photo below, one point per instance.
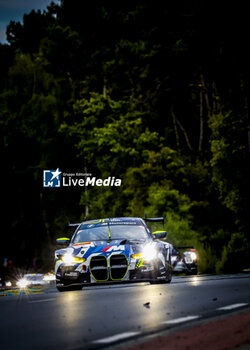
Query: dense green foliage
(154, 93)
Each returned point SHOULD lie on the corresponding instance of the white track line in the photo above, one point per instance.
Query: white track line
(232, 306)
(116, 337)
(181, 319)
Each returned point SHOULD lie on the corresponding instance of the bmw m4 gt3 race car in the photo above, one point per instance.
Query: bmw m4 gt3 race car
(112, 250)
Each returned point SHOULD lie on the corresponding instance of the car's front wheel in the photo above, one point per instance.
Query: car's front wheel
(165, 277)
(168, 276)
(168, 273)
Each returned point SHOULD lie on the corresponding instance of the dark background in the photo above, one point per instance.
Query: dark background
(154, 93)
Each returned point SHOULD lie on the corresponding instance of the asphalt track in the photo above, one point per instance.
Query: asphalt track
(119, 315)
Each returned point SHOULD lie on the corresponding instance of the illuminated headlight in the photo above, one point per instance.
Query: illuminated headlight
(22, 283)
(8, 284)
(193, 256)
(49, 277)
(136, 256)
(148, 253)
(70, 259)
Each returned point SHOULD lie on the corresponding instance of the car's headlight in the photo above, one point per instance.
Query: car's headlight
(22, 283)
(148, 253)
(8, 284)
(193, 256)
(49, 277)
(70, 259)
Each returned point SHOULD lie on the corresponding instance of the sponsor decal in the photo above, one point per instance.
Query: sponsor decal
(57, 178)
(114, 248)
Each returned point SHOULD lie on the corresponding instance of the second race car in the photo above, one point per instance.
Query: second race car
(112, 250)
(185, 262)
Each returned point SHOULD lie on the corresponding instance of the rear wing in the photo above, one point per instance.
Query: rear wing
(74, 225)
(159, 219)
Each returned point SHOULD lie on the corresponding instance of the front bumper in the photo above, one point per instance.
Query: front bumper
(68, 275)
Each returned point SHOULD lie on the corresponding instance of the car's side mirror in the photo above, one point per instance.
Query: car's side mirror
(62, 241)
(159, 234)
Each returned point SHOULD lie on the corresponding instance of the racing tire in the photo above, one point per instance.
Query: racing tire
(168, 273)
(162, 281)
(167, 278)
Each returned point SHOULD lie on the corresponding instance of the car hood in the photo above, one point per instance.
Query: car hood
(106, 248)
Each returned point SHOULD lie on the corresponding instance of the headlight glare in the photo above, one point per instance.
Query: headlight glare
(148, 253)
(193, 256)
(49, 277)
(70, 259)
(22, 283)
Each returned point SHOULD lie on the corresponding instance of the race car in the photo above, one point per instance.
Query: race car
(112, 250)
(185, 262)
(32, 280)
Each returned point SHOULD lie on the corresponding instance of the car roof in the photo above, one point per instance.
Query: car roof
(114, 220)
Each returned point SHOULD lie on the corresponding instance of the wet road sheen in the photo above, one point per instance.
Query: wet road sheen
(97, 316)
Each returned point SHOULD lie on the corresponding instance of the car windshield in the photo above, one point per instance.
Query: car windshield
(89, 234)
(117, 231)
(129, 232)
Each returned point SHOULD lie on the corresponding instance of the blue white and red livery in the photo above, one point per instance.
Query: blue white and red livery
(109, 250)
